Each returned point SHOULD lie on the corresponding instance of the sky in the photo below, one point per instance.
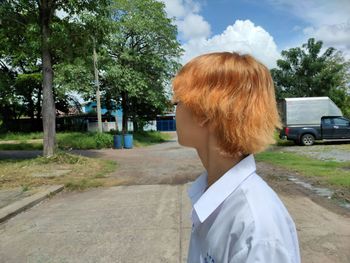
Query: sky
(262, 28)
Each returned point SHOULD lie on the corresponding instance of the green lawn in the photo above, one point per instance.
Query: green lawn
(326, 172)
(73, 171)
(76, 140)
(20, 136)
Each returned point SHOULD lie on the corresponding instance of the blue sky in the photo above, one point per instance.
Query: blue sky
(280, 23)
(260, 27)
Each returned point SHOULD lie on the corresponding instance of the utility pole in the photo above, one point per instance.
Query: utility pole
(98, 98)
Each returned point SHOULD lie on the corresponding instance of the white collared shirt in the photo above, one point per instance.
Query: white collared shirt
(240, 219)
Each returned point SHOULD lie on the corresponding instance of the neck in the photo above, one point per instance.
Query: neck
(215, 164)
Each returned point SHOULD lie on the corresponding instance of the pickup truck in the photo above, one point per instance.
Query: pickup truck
(331, 128)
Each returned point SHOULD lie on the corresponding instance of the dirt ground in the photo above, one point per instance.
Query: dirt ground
(339, 152)
(323, 226)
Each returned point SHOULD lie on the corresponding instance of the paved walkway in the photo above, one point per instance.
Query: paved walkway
(148, 223)
(8, 196)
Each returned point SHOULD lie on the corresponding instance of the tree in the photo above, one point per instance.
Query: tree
(28, 89)
(135, 43)
(305, 72)
(32, 38)
(9, 103)
(144, 56)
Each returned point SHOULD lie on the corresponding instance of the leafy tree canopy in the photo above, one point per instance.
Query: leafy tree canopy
(308, 71)
(136, 44)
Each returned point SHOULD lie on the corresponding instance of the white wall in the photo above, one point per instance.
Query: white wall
(107, 126)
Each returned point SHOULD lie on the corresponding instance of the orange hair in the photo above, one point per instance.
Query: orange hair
(235, 93)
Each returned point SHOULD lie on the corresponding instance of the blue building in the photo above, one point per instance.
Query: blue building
(166, 122)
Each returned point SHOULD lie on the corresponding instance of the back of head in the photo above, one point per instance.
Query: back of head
(235, 94)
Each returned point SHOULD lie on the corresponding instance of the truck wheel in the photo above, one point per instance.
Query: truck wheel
(307, 139)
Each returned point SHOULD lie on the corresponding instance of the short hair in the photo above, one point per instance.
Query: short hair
(235, 93)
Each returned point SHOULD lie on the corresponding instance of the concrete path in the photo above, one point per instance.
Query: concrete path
(148, 223)
(21, 202)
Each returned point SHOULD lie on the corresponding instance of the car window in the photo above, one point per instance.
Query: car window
(327, 122)
(341, 122)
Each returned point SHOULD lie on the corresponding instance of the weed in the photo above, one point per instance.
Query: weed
(25, 188)
(330, 172)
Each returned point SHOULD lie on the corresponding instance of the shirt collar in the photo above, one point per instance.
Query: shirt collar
(205, 202)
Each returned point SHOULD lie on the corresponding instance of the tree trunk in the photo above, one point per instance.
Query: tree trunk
(48, 106)
(125, 112)
(136, 126)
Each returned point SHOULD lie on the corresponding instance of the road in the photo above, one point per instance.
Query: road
(147, 219)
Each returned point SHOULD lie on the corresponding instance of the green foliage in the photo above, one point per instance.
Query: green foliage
(75, 140)
(78, 140)
(21, 51)
(105, 140)
(25, 188)
(137, 55)
(9, 103)
(20, 136)
(305, 72)
(143, 57)
(19, 55)
(149, 138)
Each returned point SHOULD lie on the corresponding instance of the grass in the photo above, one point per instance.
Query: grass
(326, 172)
(20, 136)
(88, 140)
(77, 172)
(77, 140)
(149, 138)
(21, 146)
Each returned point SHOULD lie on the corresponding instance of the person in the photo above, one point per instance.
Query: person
(226, 110)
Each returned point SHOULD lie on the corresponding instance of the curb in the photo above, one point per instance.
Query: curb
(28, 202)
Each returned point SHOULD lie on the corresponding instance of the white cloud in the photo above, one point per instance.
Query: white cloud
(190, 23)
(334, 35)
(243, 37)
(329, 20)
(174, 8)
(193, 27)
(318, 12)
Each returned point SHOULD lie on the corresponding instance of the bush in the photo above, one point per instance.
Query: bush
(77, 140)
